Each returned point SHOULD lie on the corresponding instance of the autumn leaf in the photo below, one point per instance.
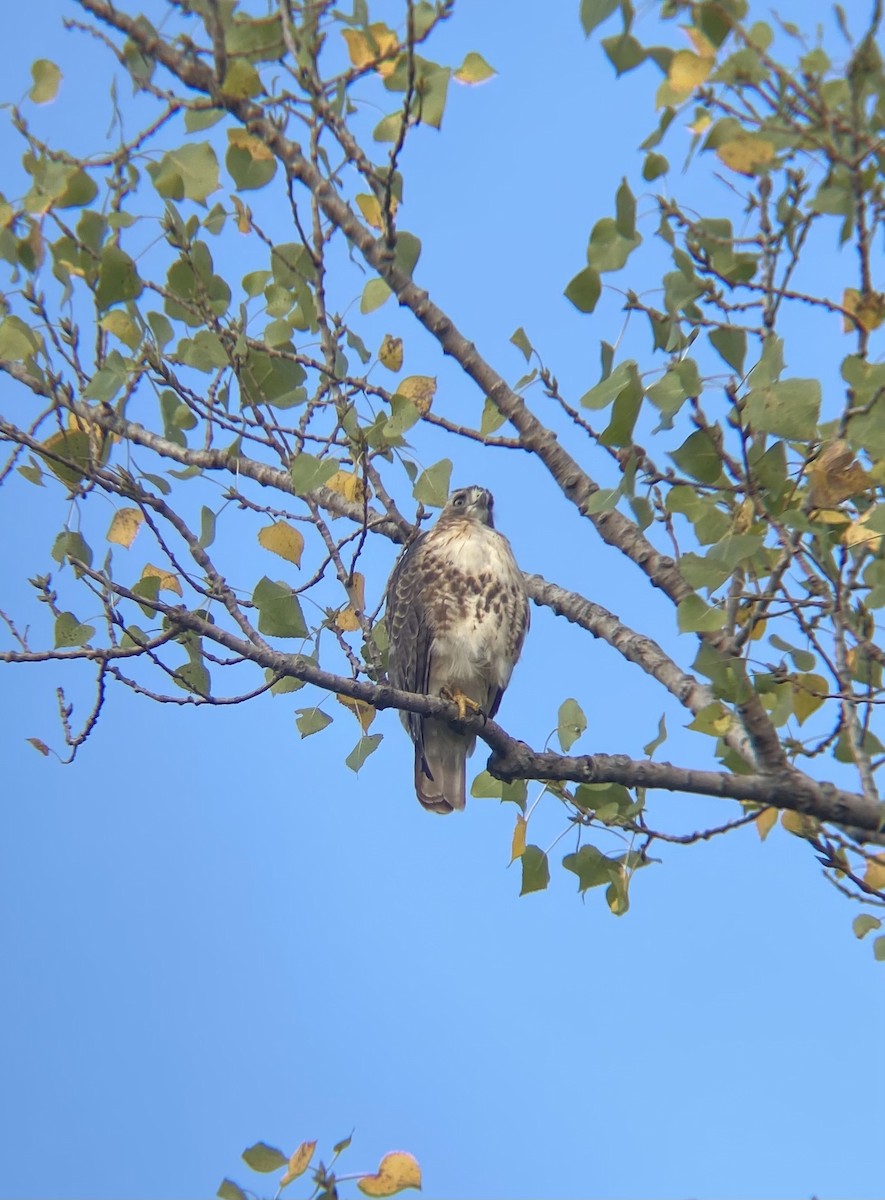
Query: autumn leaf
(391, 353)
(298, 1163)
(125, 525)
(168, 581)
(396, 1171)
(688, 71)
(835, 475)
(765, 822)
(347, 484)
(420, 389)
(364, 713)
(874, 876)
(868, 310)
(283, 539)
(517, 845)
(746, 153)
(366, 46)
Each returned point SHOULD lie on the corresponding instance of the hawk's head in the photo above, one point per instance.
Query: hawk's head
(471, 503)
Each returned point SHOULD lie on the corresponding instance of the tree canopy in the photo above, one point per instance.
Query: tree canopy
(184, 332)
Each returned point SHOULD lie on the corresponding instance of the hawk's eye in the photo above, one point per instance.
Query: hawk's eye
(459, 500)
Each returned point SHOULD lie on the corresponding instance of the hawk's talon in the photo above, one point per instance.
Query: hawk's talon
(463, 701)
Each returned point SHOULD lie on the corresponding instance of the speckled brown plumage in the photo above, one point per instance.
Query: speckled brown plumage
(457, 614)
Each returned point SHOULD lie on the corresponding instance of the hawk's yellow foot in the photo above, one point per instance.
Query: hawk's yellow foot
(464, 702)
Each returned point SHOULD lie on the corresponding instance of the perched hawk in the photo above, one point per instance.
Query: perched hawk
(457, 613)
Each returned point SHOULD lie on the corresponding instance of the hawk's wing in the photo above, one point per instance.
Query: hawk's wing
(409, 635)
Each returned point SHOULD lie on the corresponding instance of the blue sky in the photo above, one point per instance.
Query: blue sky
(214, 933)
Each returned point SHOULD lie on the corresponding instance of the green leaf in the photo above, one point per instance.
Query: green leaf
(193, 677)
(375, 293)
(521, 342)
(279, 613)
(730, 342)
(610, 387)
(492, 417)
(654, 166)
(69, 631)
(264, 1158)
(118, 279)
(230, 1191)
(594, 12)
(367, 745)
(474, 69)
(571, 723)
(207, 527)
(189, 172)
(311, 720)
(486, 787)
(535, 870)
(584, 290)
(609, 249)
(47, 77)
(694, 616)
(241, 80)
(590, 865)
(879, 949)
(625, 53)
(17, 340)
(250, 162)
(658, 741)
(407, 252)
(790, 409)
(432, 486)
(309, 472)
(699, 457)
(864, 923)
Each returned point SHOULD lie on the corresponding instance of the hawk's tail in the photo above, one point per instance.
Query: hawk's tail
(440, 772)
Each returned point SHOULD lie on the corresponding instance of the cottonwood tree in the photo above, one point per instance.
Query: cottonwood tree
(213, 405)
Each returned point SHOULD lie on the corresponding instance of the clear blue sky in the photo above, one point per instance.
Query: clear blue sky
(213, 933)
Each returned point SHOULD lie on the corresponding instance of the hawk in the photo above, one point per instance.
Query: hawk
(457, 614)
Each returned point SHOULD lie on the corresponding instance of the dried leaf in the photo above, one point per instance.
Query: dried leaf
(283, 539)
(346, 620)
(396, 1171)
(124, 526)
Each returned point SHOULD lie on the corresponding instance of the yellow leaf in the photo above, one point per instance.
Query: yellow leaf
(391, 352)
(348, 485)
(367, 46)
(420, 389)
(282, 539)
(702, 44)
(517, 846)
(124, 526)
(687, 71)
(242, 140)
(857, 533)
(298, 1163)
(363, 712)
(702, 124)
(835, 475)
(356, 590)
(244, 215)
(370, 207)
(809, 693)
(874, 876)
(799, 824)
(765, 822)
(346, 620)
(746, 153)
(168, 581)
(121, 325)
(869, 309)
(396, 1171)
